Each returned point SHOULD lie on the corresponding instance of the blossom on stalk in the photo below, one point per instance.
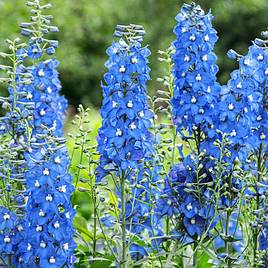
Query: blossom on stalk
(48, 238)
(195, 97)
(125, 143)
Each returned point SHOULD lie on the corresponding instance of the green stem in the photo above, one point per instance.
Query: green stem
(123, 225)
(255, 230)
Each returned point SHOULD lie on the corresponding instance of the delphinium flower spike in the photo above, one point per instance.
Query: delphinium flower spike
(125, 144)
(48, 240)
(254, 69)
(186, 195)
(14, 134)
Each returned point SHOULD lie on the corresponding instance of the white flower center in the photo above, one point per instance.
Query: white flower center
(20, 228)
(230, 106)
(250, 97)
(206, 38)
(39, 228)
(56, 225)
(193, 221)
(189, 207)
(118, 132)
(42, 112)
(205, 58)
(239, 85)
(52, 260)
(169, 202)
(130, 104)
(57, 160)
(49, 90)
(246, 61)
(114, 104)
(193, 99)
(132, 126)
(7, 239)
(141, 113)
(43, 244)
(260, 57)
(186, 58)
(6, 216)
(209, 89)
(49, 198)
(134, 60)
(233, 133)
(29, 247)
(41, 213)
(66, 246)
(122, 69)
(37, 184)
(198, 77)
(62, 189)
(259, 118)
(201, 111)
(266, 71)
(46, 172)
(41, 73)
(262, 136)
(192, 37)
(29, 95)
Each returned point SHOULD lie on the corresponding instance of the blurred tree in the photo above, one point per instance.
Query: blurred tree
(86, 29)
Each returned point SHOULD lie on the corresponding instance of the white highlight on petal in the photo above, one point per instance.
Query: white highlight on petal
(122, 69)
(198, 77)
(41, 73)
(193, 99)
(230, 106)
(130, 104)
(7, 239)
(49, 198)
(118, 132)
(46, 172)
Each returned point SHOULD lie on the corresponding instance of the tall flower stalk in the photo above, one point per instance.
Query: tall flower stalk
(124, 141)
(15, 132)
(194, 99)
(48, 237)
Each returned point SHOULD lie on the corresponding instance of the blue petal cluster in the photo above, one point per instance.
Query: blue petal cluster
(193, 211)
(48, 239)
(125, 144)
(195, 97)
(196, 90)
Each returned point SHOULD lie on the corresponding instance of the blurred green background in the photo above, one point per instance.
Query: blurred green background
(86, 29)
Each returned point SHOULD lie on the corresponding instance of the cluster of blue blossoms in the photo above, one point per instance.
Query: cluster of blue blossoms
(14, 133)
(205, 114)
(125, 144)
(186, 194)
(42, 236)
(49, 232)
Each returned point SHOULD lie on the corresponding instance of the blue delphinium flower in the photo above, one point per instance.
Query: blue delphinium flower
(48, 237)
(248, 132)
(195, 96)
(125, 144)
(49, 185)
(196, 90)
(14, 137)
(257, 73)
(193, 213)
